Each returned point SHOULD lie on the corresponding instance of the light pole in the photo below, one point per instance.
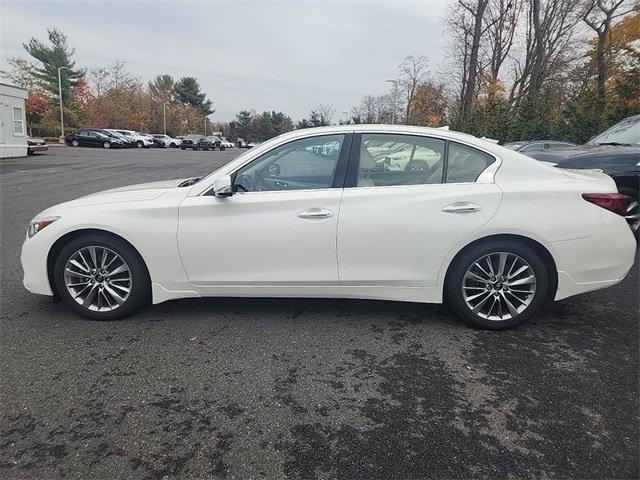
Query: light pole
(394, 95)
(164, 116)
(61, 111)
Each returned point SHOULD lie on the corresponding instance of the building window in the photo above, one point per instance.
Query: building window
(18, 122)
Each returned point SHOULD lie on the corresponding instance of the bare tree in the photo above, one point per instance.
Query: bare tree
(599, 15)
(413, 71)
(501, 29)
(550, 30)
(326, 113)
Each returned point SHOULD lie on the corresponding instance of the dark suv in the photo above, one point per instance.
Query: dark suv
(200, 142)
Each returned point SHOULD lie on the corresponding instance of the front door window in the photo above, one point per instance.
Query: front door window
(305, 164)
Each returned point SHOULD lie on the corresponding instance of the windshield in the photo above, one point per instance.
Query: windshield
(193, 136)
(626, 131)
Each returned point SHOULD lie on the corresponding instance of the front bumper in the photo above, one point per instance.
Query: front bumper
(34, 265)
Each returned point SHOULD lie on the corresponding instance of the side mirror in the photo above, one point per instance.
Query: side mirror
(222, 186)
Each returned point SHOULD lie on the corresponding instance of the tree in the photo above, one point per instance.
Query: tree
(36, 107)
(320, 116)
(162, 88)
(22, 74)
(413, 71)
(270, 124)
(599, 15)
(187, 92)
(241, 126)
(52, 57)
(429, 105)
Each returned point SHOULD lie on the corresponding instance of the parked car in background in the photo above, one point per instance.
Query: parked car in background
(226, 143)
(212, 142)
(36, 145)
(253, 144)
(128, 141)
(191, 141)
(93, 138)
(140, 140)
(485, 229)
(165, 140)
(616, 152)
(241, 143)
(539, 146)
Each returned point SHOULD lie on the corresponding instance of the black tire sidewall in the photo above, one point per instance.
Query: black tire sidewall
(453, 287)
(141, 285)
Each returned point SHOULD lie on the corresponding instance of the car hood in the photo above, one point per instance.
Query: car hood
(131, 193)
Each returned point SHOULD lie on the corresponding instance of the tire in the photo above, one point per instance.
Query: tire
(182, 148)
(222, 148)
(75, 143)
(139, 284)
(139, 144)
(172, 145)
(416, 166)
(106, 145)
(634, 208)
(465, 263)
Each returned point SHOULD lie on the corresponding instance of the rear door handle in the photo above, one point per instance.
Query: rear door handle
(462, 207)
(316, 213)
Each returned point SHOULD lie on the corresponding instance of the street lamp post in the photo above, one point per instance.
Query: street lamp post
(61, 139)
(164, 116)
(394, 94)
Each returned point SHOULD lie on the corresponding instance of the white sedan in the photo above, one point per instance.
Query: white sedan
(486, 229)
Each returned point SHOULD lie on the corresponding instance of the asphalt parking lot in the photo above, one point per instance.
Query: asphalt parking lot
(251, 388)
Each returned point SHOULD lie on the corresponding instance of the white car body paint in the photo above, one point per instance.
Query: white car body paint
(391, 243)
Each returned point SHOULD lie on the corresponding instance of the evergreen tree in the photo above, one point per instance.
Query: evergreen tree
(187, 91)
(53, 56)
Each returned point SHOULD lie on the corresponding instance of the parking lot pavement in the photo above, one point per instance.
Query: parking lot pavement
(248, 388)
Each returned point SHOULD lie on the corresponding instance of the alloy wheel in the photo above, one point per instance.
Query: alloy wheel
(499, 286)
(98, 278)
(633, 215)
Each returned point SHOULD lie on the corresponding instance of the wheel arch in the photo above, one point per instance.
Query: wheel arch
(59, 244)
(545, 255)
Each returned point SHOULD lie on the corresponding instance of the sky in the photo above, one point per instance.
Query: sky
(285, 56)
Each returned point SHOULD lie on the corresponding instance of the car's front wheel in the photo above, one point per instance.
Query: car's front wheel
(497, 285)
(101, 277)
(106, 145)
(139, 144)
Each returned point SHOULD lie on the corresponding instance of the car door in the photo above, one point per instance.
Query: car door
(402, 213)
(278, 229)
(83, 138)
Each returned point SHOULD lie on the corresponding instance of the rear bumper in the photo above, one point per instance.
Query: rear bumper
(598, 261)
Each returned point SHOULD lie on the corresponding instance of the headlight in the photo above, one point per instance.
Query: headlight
(38, 224)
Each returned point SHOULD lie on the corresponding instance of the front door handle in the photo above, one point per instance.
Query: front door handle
(316, 213)
(461, 207)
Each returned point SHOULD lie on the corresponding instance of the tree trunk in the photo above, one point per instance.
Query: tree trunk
(470, 90)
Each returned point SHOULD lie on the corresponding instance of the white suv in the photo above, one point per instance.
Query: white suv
(140, 140)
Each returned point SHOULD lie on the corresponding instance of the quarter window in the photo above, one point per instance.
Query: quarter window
(304, 164)
(465, 164)
(18, 122)
(391, 159)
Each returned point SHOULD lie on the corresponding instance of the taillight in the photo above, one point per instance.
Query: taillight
(613, 202)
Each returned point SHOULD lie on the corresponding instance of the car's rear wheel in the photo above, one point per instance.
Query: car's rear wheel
(633, 209)
(75, 143)
(497, 285)
(101, 277)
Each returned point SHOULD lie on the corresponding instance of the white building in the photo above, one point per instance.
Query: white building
(13, 122)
